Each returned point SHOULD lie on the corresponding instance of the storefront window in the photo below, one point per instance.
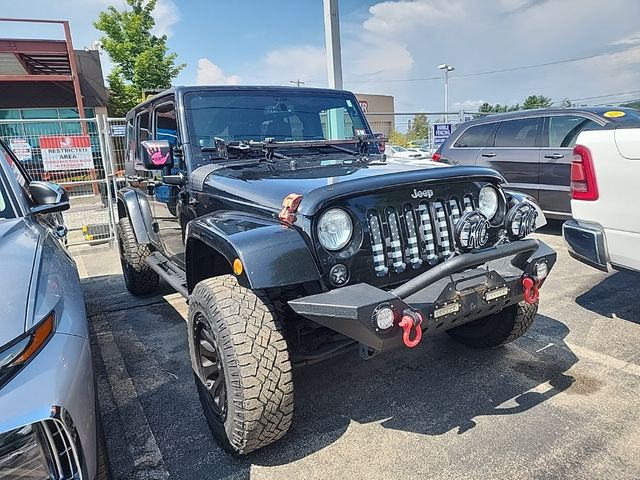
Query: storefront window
(34, 113)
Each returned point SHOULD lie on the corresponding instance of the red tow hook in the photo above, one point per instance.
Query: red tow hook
(531, 290)
(410, 320)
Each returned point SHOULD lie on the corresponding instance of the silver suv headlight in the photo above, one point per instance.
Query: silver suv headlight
(334, 229)
(488, 201)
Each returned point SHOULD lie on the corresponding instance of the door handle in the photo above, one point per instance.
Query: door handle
(489, 155)
(554, 155)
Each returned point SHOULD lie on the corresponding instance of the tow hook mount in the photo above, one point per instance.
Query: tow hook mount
(531, 290)
(411, 320)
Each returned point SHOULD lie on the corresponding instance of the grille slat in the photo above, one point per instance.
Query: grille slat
(415, 234)
(395, 241)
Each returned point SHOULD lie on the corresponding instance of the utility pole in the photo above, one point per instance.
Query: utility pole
(332, 42)
(297, 82)
(446, 68)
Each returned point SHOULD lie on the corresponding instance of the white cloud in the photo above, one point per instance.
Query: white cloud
(468, 105)
(166, 14)
(303, 62)
(211, 74)
(393, 17)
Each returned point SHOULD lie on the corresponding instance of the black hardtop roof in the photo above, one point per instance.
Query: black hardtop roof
(179, 90)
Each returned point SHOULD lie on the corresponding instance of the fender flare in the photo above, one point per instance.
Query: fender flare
(134, 205)
(272, 254)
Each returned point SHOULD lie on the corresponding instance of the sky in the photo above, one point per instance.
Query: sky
(390, 47)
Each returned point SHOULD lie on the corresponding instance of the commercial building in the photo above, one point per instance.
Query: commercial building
(379, 111)
(47, 80)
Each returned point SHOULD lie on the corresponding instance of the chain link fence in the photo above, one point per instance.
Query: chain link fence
(72, 153)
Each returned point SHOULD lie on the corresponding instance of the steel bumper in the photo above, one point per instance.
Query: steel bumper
(452, 293)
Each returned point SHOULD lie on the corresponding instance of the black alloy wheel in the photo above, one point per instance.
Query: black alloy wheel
(211, 368)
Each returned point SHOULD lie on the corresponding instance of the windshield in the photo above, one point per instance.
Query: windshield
(282, 116)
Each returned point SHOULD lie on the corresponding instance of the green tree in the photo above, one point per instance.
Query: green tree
(566, 103)
(635, 104)
(398, 138)
(142, 60)
(419, 128)
(536, 101)
(497, 108)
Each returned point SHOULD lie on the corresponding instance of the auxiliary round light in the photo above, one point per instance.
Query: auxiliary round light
(472, 231)
(488, 201)
(334, 229)
(541, 270)
(521, 220)
(383, 317)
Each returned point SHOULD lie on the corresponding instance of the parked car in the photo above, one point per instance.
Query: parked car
(531, 148)
(400, 152)
(47, 397)
(294, 243)
(605, 231)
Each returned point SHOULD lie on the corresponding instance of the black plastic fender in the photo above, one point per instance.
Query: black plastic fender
(138, 211)
(272, 254)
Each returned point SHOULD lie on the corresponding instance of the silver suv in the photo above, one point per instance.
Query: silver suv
(532, 149)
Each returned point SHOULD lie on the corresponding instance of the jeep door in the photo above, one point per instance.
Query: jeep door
(166, 204)
(138, 177)
(515, 153)
(559, 138)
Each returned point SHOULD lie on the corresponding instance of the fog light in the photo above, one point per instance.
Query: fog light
(447, 309)
(521, 220)
(384, 317)
(472, 231)
(541, 270)
(496, 293)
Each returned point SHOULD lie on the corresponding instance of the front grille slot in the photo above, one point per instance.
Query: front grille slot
(442, 227)
(395, 243)
(61, 450)
(415, 235)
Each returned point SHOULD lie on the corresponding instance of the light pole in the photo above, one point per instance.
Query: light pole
(447, 69)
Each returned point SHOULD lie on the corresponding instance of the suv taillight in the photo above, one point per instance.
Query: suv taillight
(436, 156)
(583, 177)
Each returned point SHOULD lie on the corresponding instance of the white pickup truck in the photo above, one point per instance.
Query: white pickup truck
(605, 199)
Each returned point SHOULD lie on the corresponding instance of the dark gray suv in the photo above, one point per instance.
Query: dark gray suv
(532, 149)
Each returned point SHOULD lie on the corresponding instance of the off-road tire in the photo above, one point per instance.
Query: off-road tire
(497, 329)
(254, 355)
(139, 278)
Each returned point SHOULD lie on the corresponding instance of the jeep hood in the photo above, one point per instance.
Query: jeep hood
(266, 185)
(18, 248)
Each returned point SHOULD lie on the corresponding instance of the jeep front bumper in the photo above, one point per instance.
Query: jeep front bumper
(459, 290)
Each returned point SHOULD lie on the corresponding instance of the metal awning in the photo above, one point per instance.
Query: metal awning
(40, 60)
(34, 61)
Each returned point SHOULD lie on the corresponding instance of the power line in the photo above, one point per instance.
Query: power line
(488, 72)
(604, 96)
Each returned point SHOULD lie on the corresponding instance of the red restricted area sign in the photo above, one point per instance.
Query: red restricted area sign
(66, 152)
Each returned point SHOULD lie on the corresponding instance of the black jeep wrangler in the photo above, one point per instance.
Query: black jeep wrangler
(273, 211)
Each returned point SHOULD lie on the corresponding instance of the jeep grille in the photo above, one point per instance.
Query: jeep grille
(416, 234)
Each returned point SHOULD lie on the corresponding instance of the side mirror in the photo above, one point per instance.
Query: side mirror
(49, 197)
(157, 154)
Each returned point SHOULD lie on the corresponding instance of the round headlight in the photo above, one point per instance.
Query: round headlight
(334, 229)
(488, 201)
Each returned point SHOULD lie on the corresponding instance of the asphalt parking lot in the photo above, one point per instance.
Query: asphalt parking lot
(561, 402)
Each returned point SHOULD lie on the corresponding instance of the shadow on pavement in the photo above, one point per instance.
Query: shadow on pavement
(617, 294)
(438, 387)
